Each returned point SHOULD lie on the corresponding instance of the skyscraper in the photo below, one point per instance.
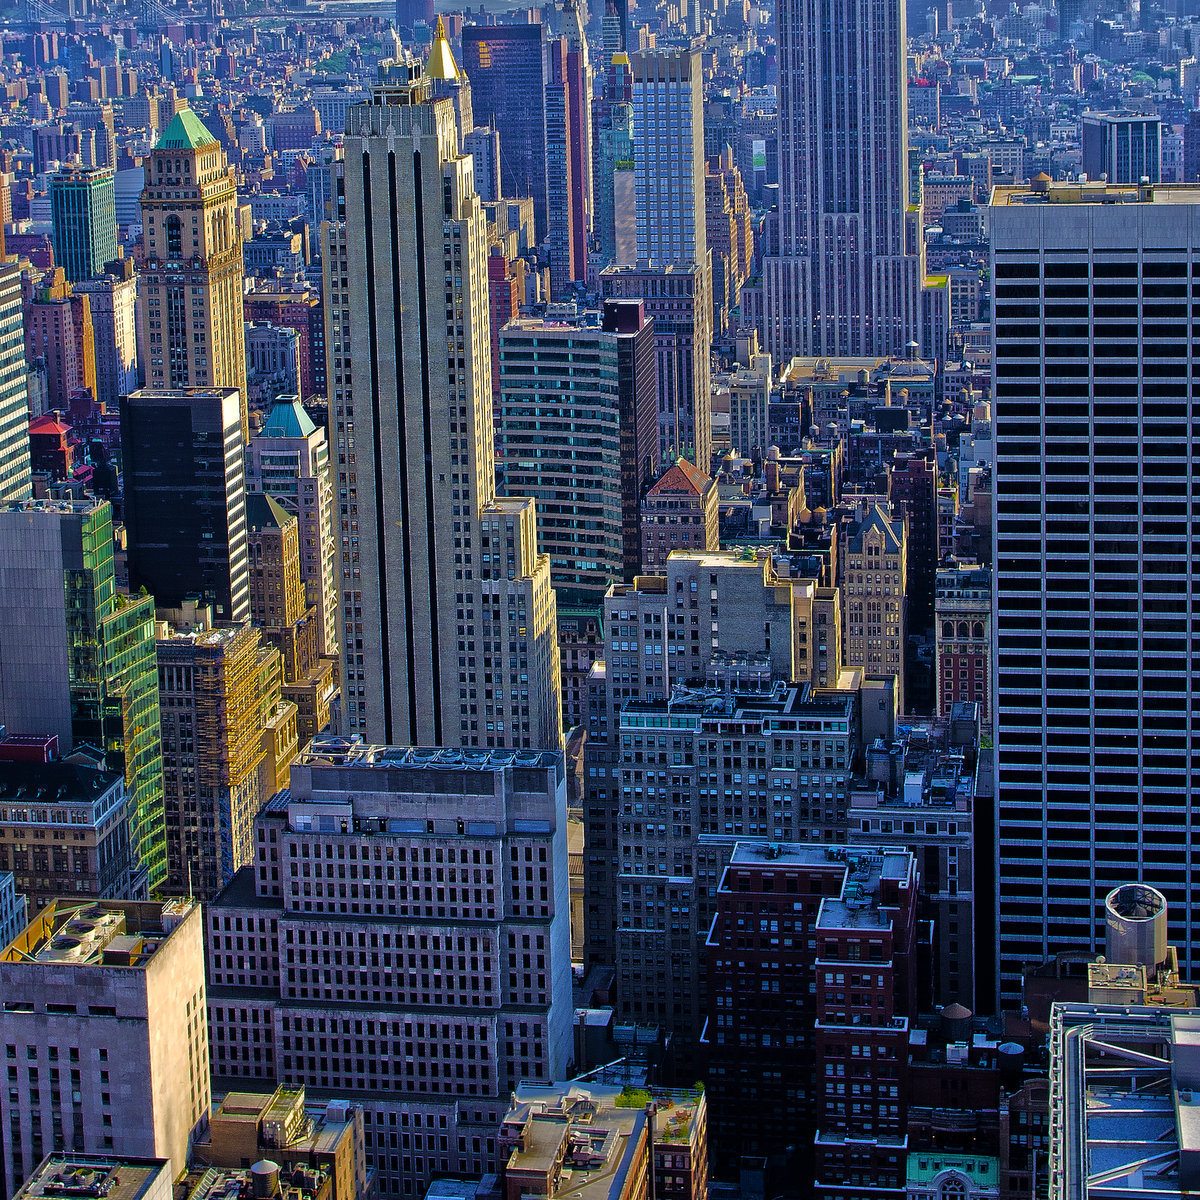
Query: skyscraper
(448, 613)
(15, 480)
(668, 155)
(1094, 548)
(185, 503)
(77, 658)
(192, 322)
(842, 283)
(83, 209)
(576, 431)
(506, 66)
(1122, 147)
(678, 301)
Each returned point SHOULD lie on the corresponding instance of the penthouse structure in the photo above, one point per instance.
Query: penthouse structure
(408, 917)
(104, 1012)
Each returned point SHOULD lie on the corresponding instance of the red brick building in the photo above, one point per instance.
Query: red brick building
(963, 630)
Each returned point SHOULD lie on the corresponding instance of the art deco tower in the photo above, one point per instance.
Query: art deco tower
(192, 311)
(840, 281)
(447, 609)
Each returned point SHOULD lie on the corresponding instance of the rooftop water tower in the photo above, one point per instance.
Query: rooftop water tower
(1136, 917)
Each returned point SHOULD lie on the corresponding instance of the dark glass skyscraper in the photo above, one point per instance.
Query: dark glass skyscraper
(506, 66)
(185, 504)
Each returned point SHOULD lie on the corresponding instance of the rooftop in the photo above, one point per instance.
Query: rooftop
(287, 418)
(1125, 1101)
(185, 132)
(1094, 193)
(94, 1175)
(347, 752)
(54, 782)
(97, 933)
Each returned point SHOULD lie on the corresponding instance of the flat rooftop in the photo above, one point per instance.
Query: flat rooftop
(346, 752)
(94, 1175)
(1095, 193)
(108, 933)
(1127, 1118)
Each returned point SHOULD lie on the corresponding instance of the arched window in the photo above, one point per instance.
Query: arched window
(977, 629)
(947, 629)
(953, 1187)
(174, 237)
(963, 629)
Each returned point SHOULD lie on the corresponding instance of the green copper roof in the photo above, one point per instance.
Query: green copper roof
(185, 132)
(287, 419)
(265, 512)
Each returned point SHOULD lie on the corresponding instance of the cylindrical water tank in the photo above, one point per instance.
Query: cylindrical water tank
(1136, 916)
(1011, 1057)
(264, 1177)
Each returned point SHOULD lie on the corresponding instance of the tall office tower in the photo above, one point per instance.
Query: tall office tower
(224, 727)
(750, 624)
(730, 231)
(564, 193)
(59, 330)
(613, 178)
(76, 658)
(106, 1015)
(506, 65)
(919, 796)
(841, 281)
(15, 479)
(562, 388)
(83, 210)
(874, 548)
(678, 301)
(765, 1080)
(566, 386)
(298, 307)
(288, 460)
(1092, 560)
(112, 297)
(283, 615)
(67, 827)
(579, 83)
(185, 503)
(913, 490)
(435, 1054)
(1122, 147)
(13, 909)
(192, 324)
(447, 608)
(862, 1030)
(668, 153)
